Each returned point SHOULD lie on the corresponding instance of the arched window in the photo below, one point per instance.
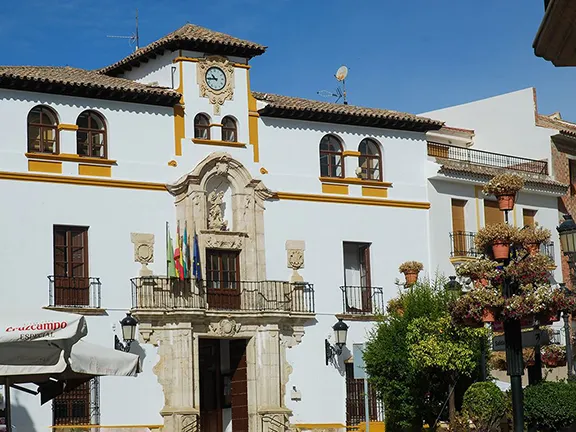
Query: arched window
(42, 130)
(370, 160)
(331, 161)
(202, 126)
(229, 129)
(91, 135)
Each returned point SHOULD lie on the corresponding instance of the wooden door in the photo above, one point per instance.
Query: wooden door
(239, 392)
(211, 390)
(458, 228)
(492, 214)
(223, 279)
(365, 278)
(71, 277)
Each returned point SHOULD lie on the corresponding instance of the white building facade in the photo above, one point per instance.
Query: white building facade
(286, 198)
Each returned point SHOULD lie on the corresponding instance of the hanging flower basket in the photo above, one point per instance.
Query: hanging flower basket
(480, 270)
(533, 248)
(548, 318)
(531, 237)
(554, 355)
(488, 315)
(501, 251)
(504, 187)
(411, 270)
(506, 202)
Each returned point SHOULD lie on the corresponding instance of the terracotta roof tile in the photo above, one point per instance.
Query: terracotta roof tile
(306, 109)
(563, 126)
(84, 83)
(194, 38)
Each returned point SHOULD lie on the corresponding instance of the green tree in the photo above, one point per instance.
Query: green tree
(412, 393)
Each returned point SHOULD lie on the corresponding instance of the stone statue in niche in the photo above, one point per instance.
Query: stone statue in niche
(215, 217)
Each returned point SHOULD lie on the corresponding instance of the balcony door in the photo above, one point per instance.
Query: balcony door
(357, 277)
(223, 279)
(71, 277)
(458, 228)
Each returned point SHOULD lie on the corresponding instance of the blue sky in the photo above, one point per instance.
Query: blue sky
(408, 55)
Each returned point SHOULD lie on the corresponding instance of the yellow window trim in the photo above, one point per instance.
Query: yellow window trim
(216, 124)
(68, 157)
(44, 178)
(351, 153)
(196, 60)
(253, 114)
(319, 425)
(94, 170)
(355, 181)
(68, 127)
(352, 200)
(335, 189)
(376, 192)
(218, 143)
(45, 166)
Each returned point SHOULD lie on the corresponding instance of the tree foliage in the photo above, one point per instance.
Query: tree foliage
(404, 361)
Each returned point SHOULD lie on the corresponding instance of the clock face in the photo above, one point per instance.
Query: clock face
(215, 78)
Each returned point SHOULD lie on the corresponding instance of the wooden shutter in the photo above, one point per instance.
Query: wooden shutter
(528, 217)
(71, 277)
(210, 385)
(458, 228)
(365, 278)
(239, 385)
(492, 214)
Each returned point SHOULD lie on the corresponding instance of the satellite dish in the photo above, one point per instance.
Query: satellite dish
(341, 73)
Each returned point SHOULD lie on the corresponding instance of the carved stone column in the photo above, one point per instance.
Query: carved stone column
(175, 372)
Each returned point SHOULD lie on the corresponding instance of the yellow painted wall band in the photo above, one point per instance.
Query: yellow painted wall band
(45, 166)
(218, 143)
(352, 200)
(252, 121)
(355, 181)
(44, 178)
(179, 124)
(94, 170)
(351, 153)
(69, 157)
(68, 127)
(334, 189)
(319, 425)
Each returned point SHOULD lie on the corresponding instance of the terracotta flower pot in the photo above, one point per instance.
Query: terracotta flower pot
(411, 277)
(530, 363)
(488, 315)
(533, 248)
(506, 202)
(501, 251)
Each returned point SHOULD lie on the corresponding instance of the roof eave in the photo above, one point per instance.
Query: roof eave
(343, 118)
(91, 92)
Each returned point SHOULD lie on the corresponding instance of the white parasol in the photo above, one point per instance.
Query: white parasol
(46, 348)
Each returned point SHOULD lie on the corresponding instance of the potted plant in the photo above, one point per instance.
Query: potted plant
(480, 270)
(479, 305)
(529, 302)
(554, 355)
(531, 237)
(531, 269)
(411, 270)
(396, 306)
(497, 239)
(504, 187)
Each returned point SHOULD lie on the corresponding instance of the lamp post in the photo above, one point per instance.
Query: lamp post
(340, 335)
(128, 325)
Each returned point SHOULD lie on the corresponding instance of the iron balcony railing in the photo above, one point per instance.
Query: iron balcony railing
(160, 292)
(462, 244)
(78, 292)
(362, 300)
(484, 158)
(548, 250)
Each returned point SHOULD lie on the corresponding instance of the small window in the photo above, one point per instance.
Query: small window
(42, 130)
(572, 171)
(357, 278)
(529, 217)
(370, 160)
(202, 126)
(91, 135)
(80, 406)
(331, 161)
(229, 130)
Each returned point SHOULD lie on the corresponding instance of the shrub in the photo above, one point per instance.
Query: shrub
(485, 404)
(504, 184)
(410, 267)
(550, 406)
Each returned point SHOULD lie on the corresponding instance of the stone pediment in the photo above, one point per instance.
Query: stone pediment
(223, 239)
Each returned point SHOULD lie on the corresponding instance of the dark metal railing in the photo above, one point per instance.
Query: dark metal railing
(78, 292)
(489, 159)
(462, 244)
(362, 300)
(548, 249)
(160, 292)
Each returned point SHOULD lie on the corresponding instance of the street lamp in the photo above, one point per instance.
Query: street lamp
(340, 334)
(565, 317)
(567, 233)
(128, 324)
(452, 285)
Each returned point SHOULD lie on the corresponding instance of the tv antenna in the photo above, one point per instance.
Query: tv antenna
(133, 39)
(340, 93)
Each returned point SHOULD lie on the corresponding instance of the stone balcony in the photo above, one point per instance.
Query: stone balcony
(160, 293)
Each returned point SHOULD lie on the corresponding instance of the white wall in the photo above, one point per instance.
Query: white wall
(502, 124)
